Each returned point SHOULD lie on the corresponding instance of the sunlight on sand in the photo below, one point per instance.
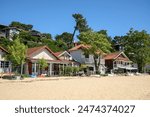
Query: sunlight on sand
(88, 88)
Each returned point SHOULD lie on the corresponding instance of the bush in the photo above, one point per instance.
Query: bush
(98, 72)
(9, 77)
(25, 75)
(68, 70)
(75, 70)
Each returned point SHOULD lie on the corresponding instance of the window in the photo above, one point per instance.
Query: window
(4, 64)
(86, 55)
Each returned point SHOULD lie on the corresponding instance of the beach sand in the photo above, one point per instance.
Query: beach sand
(77, 88)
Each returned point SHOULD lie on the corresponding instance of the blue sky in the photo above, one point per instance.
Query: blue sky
(55, 16)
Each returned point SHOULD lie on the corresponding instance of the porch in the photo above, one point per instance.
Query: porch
(53, 68)
(123, 66)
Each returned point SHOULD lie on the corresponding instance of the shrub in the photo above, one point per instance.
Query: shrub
(75, 70)
(68, 70)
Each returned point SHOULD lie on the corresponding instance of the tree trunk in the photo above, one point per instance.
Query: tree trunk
(26, 69)
(75, 29)
(96, 66)
(99, 61)
(21, 68)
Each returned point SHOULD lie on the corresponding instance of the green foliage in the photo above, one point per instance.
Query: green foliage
(47, 35)
(97, 45)
(68, 70)
(27, 36)
(22, 26)
(42, 63)
(97, 42)
(104, 32)
(4, 42)
(118, 43)
(75, 70)
(34, 39)
(17, 53)
(53, 45)
(137, 47)
(66, 39)
(25, 75)
(61, 44)
(81, 24)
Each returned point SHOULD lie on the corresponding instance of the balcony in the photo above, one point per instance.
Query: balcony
(129, 67)
(91, 60)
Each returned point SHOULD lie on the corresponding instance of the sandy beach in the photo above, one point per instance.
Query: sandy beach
(77, 88)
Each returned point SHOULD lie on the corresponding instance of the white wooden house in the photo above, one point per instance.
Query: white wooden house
(54, 60)
(5, 66)
(87, 60)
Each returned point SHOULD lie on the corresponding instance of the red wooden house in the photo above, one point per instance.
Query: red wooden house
(118, 61)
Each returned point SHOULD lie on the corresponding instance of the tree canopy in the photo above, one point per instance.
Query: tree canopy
(81, 24)
(137, 47)
(42, 64)
(97, 45)
(136, 44)
(22, 26)
(17, 53)
(66, 39)
(97, 41)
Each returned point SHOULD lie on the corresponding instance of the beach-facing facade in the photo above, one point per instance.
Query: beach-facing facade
(66, 58)
(113, 62)
(5, 66)
(87, 60)
(118, 61)
(55, 61)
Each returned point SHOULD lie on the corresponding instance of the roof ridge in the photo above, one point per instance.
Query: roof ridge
(34, 49)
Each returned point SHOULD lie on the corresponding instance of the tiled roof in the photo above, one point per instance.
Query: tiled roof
(81, 46)
(112, 55)
(124, 59)
(58, 53)
(115, 55)
(30, 51)
(31, 59)
(63, 60)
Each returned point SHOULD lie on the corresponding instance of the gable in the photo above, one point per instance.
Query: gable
(44, 53)
(65, 56)
(122, 56)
